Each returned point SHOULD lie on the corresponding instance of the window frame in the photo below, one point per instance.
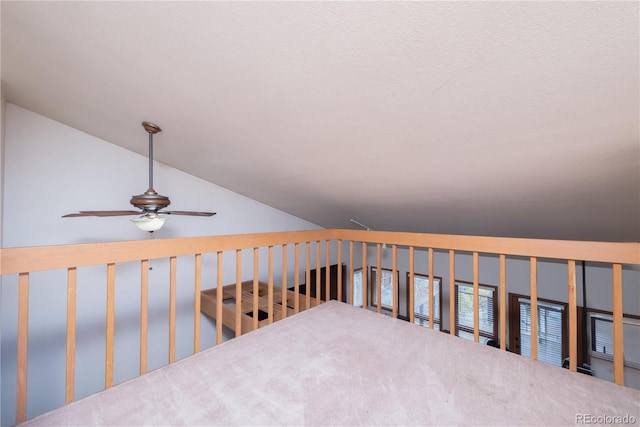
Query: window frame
(437, 319)
(514, 322)
(373, 292)
(607, 316)
(494, 289)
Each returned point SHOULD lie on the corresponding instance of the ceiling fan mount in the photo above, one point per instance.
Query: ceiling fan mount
(151, 128)
(150, 202)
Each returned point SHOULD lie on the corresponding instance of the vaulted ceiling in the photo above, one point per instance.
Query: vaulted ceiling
(492, 118)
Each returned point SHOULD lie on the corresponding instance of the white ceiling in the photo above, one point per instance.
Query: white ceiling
(492, 118)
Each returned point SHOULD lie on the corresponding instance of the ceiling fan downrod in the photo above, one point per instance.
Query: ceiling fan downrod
(150, 201)
(151, 130)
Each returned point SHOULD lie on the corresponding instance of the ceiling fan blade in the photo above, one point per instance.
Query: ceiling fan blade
(102, 213)
(188, 213)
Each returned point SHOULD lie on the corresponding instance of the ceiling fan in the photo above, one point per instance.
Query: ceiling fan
(151, 217)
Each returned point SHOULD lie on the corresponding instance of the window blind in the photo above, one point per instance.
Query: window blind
(602, 338)
(421, 294)
(549, 331)
(357, 288)
(386, 282)
(465, 309)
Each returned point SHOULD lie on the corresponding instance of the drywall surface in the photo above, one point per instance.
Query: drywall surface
(51, 170)
(2, 122)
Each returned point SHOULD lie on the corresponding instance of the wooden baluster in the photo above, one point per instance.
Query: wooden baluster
(172, 309)
(394, 281)
(71, 334)
(219, 297)
(431, 290)
(377, 285)
(283, 285)
(307, 286)
(256, 288)
(618, 335)
(573, 317)
(411, 286)
(296, 279)
(196, 305)
(452, 292)
(327, 276)
(270, 288)
(476, 299)
(144, 309)
(351, 283)
(23, 331)
(534, 308)
(318, 281)
(238, 317)
(364, 276)
(503, 303)
(111, 273)
(339, 262)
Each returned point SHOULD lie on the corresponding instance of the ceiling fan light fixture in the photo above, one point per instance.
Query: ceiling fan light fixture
(149, 224)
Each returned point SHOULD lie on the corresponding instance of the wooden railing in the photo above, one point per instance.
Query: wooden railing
(22, 262)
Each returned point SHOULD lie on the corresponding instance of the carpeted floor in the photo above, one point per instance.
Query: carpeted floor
(339, 365)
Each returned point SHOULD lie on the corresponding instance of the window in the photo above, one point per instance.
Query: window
(602, 338)
(602, 335)
(487, 308)
(386, 284)
(357, 288)
(550, 328)
(421, 294)
(552, 342)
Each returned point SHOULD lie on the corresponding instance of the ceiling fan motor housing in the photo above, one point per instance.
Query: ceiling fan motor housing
(150, 201)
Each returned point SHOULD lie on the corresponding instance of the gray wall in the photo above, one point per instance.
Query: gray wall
(51, 169)
(2, 124)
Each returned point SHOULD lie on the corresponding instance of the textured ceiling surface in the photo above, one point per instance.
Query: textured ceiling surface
(492, 118)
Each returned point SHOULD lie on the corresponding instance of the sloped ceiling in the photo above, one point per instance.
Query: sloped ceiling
(492, 118)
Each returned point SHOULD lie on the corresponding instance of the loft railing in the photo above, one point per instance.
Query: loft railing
(348, 247)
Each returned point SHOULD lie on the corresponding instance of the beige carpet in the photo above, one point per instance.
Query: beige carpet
(339, 365)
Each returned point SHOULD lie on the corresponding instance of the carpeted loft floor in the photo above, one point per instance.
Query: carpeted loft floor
(339, 365)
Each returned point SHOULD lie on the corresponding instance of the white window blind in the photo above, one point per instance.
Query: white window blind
(549, 331)
(357, 288)
(386, 283)
(465, 309)
(421, 294)
(602, 338)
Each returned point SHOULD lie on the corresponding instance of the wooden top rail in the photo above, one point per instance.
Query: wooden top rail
(40, 258)
(609, 252)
